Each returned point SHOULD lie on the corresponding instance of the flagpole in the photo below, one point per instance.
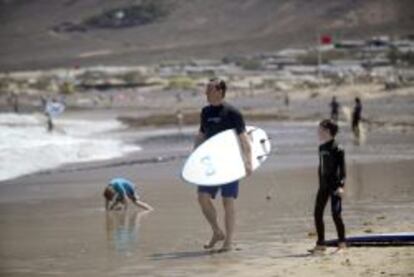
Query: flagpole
(318, 45)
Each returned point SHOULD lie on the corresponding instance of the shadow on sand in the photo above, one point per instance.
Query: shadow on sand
(181, 255)
(205, 253)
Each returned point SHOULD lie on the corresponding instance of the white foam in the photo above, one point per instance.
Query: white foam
(26, 146)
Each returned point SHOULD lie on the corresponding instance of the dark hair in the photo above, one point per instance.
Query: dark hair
(220, 85)
(108, 194)
(329, 125)
(357, 100)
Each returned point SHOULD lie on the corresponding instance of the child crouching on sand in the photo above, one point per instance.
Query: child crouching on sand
(117, 192)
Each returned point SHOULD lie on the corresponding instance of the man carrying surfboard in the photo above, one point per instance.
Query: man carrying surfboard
(217, 117)
(332, 173)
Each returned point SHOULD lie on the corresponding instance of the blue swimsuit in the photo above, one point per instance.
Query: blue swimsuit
(123, 187)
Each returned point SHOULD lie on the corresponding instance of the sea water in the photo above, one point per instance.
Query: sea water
(27, 147)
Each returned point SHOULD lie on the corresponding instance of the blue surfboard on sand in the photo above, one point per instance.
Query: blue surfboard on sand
(387, 239)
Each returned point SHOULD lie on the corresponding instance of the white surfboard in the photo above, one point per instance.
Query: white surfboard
(55, 109)
(219, 161)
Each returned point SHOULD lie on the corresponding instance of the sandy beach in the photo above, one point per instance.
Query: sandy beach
(54, 224)
(96, 90)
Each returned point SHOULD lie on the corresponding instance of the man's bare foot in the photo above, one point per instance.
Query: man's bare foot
(214, 239)
(226, 247)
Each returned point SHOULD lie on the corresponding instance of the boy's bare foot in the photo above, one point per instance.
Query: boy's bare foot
(318, 249)
(214, 239)
(341, 246)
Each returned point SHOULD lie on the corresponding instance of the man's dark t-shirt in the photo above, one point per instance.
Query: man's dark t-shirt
(215, 119)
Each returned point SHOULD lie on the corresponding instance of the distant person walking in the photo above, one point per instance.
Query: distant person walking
(286, 99)
(13, 100)
(334, 109)
(356, 118)
(332, 173)
(43, 102)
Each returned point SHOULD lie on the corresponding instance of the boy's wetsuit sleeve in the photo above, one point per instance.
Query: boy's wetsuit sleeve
(341, 167)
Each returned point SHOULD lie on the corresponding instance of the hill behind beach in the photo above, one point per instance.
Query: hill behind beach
(67, 33)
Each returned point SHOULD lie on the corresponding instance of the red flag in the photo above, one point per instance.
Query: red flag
(326, 39)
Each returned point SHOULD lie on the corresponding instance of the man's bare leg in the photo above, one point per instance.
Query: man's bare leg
(210, 214)
(229, 221)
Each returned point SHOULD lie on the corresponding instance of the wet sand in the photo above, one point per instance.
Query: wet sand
(54, 224)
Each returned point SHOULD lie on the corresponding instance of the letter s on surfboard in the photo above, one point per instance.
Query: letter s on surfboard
(208, 165)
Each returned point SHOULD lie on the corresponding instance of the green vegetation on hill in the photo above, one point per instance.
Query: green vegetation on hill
(147, 12)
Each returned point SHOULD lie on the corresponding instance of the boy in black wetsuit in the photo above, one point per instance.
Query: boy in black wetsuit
(332, 172)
